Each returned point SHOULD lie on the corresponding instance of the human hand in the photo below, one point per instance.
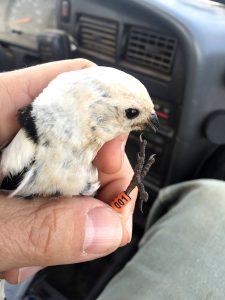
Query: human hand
(63, 230)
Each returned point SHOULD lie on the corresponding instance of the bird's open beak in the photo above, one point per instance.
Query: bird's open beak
(154, 122)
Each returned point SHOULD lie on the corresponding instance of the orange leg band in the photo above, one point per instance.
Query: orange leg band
(120, 201)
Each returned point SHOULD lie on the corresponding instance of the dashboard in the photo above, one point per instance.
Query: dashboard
(175, 47)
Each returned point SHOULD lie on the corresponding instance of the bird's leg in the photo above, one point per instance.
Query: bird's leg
(143, 193)
(138, 167)
(140, 171)
(148, 165)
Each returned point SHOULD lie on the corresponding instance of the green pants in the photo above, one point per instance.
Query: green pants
(182, 254)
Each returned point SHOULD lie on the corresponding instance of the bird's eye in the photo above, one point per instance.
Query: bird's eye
(132, 113)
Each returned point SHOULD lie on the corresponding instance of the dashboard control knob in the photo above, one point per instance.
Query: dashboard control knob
(54, 44)
(215, 127)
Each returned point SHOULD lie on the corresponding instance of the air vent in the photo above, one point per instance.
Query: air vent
(97, 35)
(150, 50)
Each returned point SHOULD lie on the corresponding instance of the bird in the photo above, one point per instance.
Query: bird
(66, 125)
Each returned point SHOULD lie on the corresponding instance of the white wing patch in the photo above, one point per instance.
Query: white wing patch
(23, 183)
(18, 155)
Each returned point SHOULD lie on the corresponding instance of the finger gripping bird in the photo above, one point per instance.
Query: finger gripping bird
(65, 126)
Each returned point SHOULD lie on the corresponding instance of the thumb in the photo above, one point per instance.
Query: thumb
(110, 157)
(57, 231)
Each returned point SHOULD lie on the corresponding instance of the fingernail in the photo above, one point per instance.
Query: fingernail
(25, 273)
(129, 226)
(103, 231)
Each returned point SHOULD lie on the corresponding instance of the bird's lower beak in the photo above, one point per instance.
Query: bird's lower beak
(154, 122)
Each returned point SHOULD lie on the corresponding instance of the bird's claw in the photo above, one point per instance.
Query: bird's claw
(140, 171)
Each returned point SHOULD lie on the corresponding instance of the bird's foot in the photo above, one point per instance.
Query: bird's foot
(140, 171)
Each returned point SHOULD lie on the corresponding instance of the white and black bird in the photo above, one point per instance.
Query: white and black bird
(65, 126)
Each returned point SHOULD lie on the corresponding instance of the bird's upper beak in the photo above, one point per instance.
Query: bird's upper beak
(154, 122)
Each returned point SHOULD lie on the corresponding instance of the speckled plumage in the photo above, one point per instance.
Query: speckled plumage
(70, 120)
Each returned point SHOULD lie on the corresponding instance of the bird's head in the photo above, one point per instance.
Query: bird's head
(117, 103)
(107, 102)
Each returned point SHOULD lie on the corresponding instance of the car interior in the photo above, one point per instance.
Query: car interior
(176, 49)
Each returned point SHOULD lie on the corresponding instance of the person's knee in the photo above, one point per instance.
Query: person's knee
(204, 198)
(199, 190)
(204, 201)
(208, 190)
(197, 205)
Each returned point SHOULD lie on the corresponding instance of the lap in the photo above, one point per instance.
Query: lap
(181, 255)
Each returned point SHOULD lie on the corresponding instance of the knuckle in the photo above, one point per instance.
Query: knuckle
(42, 230)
